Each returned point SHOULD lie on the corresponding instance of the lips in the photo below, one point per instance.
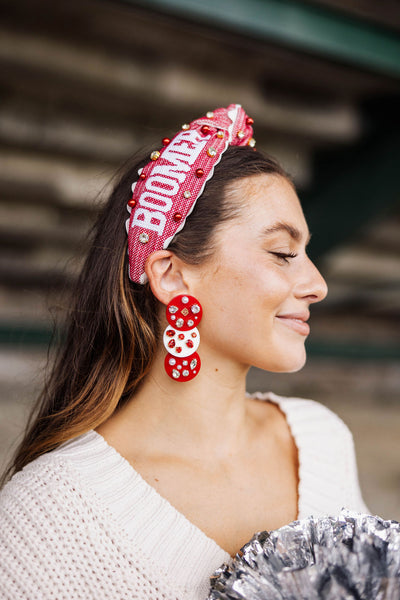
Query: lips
(296, 321)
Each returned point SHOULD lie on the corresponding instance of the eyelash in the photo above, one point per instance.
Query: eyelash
(284, 256)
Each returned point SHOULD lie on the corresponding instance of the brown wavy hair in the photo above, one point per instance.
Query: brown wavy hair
(112, 327)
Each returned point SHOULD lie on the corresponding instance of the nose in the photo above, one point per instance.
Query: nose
(312, 285)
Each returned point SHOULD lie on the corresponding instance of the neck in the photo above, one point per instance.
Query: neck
(205, 416)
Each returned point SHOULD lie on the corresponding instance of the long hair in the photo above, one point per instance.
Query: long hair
(112, 328)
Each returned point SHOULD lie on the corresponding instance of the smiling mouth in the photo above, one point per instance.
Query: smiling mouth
(297, 325)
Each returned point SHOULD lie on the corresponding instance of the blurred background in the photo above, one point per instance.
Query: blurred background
(84, 84)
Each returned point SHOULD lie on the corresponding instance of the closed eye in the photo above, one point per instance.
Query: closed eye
(284, 256)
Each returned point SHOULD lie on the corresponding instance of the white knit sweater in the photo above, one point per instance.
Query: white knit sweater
(79, 522)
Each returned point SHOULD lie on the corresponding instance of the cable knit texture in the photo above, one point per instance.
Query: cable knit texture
(79, 522)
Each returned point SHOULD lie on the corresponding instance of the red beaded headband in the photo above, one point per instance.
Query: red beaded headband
(169, 186)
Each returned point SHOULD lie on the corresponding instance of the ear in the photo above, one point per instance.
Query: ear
(165, 273)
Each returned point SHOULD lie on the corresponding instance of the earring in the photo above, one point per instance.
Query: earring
(182, 338)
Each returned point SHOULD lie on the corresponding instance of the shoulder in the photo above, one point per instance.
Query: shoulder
(308, 417)
(46, 471)
(40, 508)
(56, 531)
(323, 440)
(53, 522)
(52, 482)
(327, 464)
(45, 486)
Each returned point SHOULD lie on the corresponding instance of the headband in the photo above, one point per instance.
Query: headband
(170, 184)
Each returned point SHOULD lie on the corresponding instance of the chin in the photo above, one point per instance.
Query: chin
(285, 364)
(294, 369)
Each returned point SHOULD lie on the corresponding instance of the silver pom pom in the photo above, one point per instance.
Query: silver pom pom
(349, 557)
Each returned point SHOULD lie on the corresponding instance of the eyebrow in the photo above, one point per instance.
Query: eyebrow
(290, 229)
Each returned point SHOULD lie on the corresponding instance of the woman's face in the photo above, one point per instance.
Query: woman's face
(256, 298)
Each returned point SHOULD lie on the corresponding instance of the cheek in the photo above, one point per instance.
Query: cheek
(276, 286)
(245, 297)
(268, 289)
(224, 299)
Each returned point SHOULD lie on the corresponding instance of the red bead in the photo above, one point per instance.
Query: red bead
(205, 129)
(171, 343)
(249, 121)
(177, 217)
(165, 141)
(170, 333)
(181, 336)
(199, 172)
(142, 176)
(132, 203)
(189, 344)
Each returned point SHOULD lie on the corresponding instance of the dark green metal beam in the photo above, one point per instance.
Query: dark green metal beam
(352, 350)
(28, 335)
(353, 187)
(318, 30)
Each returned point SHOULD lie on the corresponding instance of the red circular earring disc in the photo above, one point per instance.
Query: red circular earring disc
(187, 314)
(182, 369)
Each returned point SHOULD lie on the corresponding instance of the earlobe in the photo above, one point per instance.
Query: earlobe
(163, 270)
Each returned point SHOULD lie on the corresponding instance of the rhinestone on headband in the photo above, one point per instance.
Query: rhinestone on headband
(143, 238)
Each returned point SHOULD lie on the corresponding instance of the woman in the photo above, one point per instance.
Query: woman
(147, 466)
